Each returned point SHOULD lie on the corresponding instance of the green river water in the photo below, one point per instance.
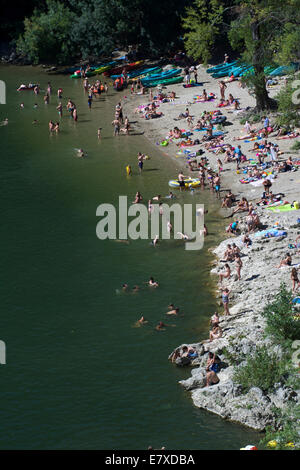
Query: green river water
(79, 374)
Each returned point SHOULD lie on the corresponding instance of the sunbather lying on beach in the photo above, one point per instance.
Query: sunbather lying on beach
(291, 135)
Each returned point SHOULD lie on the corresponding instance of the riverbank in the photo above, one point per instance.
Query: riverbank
(243, 329)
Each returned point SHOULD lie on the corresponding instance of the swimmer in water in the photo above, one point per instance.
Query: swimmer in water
(160, 326)
(80, 153)
(171, 196)
(184, 236)
(135, 289)
(125, 287)
(142, 321)
(5, 122)
(173, 310)
(155, 241)
(152, 283)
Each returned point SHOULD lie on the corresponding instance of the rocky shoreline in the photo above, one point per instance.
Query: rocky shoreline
(243, 330)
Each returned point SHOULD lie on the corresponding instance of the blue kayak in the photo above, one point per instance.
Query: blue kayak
(161, 76)
(218, 68)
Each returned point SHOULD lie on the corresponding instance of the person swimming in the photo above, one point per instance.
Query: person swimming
(152, 283)
(142, 321)
(183, 236)
(80, 153)
(155, 241)
(4, 123)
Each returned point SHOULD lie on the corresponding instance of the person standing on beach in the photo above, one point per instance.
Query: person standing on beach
(116, 124)
(238, 156)
(273, 153)
(225, 300)
(295, 279)
(195, 75)
(222, 89)
(238, 265)
(217, 186)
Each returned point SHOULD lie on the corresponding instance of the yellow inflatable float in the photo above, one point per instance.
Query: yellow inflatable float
(188, 182)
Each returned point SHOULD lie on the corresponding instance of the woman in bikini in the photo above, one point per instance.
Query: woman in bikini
(225, 300)
(238, 265)
(295, 279)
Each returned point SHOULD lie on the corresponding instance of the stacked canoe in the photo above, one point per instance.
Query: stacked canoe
(139, 73)
(167, 77)
(120, 68)
(236, 69)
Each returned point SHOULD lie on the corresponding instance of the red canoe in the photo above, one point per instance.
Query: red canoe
(127, 67)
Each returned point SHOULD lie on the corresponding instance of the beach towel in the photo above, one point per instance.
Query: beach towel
(285, 208)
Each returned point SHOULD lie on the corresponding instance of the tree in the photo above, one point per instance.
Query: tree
(47, 35)
(103, 25)
(203, 23)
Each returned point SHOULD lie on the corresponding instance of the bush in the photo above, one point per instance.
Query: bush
(287, 437)
(295, 146)
(47, 35)
(287, 110)
(281, 323)
(262, 370)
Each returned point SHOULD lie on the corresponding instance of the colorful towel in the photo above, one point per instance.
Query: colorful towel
(285, 208)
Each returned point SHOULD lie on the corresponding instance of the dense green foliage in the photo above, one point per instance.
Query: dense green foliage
(87, 28)
(287, 436)
(47, 34)
(288, 105)
(199, 38)
(261, 370)
(280, 316)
